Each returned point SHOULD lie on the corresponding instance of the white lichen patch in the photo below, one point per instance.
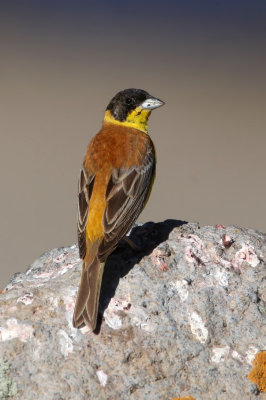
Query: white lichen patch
(197, 327)
(110, 316)
(66, 344)
(145, 326)
(219, 354)
(43, 275)
(192, 239)
(103, 378)
(182, 289)
(112, 319)
(141, 320)
(11, 286)
(26, 299)
(250, 354)
(237, 356)
(221, 276)
(16, 330)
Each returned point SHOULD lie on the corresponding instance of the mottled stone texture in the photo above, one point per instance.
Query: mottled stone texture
(182, 317)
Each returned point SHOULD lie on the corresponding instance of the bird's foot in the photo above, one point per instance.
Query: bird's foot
(132, 245)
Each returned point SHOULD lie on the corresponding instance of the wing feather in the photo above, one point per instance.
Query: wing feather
(86, 182)
(126, 195)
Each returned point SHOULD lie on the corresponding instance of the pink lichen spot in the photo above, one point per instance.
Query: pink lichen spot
(15, 330)
(245, 254)
(190, 256)
(163, 266)
(227, 240)
(103, 378)
(60, 258)
(158, 259)
(195, 251)
(119, 305)
(43, 275)
(219, 226)
(26, 299)
(115, 304)
(69, 303)
(64, 268)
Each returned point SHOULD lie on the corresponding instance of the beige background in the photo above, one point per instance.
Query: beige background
(59, 67)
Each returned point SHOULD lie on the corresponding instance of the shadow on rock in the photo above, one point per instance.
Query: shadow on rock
(146, 237)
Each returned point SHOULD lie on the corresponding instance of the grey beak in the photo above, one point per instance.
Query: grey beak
(151, 103)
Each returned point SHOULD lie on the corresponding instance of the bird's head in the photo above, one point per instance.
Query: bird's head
(132, 108)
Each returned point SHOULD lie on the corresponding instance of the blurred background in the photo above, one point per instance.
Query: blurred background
(60, 64)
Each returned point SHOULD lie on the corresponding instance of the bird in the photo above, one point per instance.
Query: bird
(114, 186)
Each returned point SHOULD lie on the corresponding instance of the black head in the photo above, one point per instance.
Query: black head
(128, 100)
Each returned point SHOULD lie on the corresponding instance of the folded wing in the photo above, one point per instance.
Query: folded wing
(126, 196)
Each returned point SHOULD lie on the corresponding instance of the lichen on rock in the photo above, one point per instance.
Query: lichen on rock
(8, 387)
(184, 316)
(258, 374)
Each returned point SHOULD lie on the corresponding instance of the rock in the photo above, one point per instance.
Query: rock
(183, 317)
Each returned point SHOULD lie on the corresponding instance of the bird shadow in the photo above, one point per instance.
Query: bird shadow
(146, 237)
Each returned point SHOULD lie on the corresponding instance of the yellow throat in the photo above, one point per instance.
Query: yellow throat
(137, 119)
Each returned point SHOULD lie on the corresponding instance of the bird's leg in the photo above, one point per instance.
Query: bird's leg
(131, 244)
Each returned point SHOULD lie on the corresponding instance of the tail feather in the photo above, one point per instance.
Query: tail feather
(86, 308)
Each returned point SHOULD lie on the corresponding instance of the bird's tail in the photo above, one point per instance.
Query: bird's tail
(86, 308)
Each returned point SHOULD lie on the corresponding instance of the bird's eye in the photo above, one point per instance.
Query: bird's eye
(129, 101)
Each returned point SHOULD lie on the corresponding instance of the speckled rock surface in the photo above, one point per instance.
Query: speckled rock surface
(185, 316)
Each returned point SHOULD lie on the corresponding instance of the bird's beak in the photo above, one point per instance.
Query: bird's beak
(151, 103)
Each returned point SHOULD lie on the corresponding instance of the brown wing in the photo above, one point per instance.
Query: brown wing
(86, 182)
(126, 195)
